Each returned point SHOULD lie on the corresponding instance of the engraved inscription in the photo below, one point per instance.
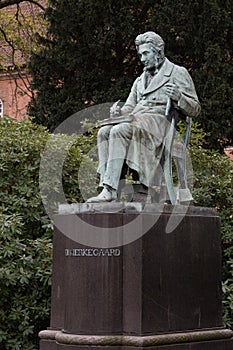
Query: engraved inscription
(93, 252)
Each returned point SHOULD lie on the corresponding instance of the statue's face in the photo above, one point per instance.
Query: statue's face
(148, 56)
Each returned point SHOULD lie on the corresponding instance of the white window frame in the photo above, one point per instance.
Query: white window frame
(1, 109)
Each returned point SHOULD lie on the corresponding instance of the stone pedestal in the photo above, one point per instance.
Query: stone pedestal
(160, 291)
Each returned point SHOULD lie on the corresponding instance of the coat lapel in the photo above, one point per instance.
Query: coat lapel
(161, 78)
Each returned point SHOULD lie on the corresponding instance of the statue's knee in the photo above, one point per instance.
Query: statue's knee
(104, 132)
(122, 129)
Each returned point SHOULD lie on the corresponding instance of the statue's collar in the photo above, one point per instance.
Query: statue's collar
(160, 78)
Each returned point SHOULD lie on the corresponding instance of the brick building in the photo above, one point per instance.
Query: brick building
(15, 94)
(14, 78)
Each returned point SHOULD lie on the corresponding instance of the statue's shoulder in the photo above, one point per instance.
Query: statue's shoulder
(180, 74)
(172, 67)
(138, 80)
(177, 67)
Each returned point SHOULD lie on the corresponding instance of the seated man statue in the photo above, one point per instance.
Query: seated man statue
(138, 137)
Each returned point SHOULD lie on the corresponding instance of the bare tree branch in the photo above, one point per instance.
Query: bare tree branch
(5, 3)
(15, 51)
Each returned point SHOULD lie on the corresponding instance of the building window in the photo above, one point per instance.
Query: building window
(1, 109)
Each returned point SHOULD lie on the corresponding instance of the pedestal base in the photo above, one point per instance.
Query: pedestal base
(162, 291)
(219, 339)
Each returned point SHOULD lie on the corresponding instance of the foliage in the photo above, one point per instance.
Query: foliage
(25, 237)
(6, 3)
(25, 273)
(198, 35)
(213, 187)
(25, 228)
(89, 56)
(19, 25)
(21, 144)
(79, 172)
(92, 63)
(18, 29)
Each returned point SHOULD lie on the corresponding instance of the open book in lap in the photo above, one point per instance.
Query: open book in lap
(116, 120)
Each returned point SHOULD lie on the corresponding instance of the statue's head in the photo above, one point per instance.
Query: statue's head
(152, 44)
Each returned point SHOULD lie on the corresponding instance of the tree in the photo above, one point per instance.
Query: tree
(18, 27)
(92, 63)
(6, 3)
(19, 24)
(89, 56)
(199, 35)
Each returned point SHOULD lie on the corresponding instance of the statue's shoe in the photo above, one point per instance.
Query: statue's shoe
(106, 195)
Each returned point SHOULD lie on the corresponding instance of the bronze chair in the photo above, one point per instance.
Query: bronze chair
(174, 151)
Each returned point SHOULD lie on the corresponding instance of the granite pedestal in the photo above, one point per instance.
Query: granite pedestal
(161, 291)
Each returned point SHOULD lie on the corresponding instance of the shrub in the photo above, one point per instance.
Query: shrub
(25, 270)
(213, 174)
(26, 230)
(25, 237)
(20, 146)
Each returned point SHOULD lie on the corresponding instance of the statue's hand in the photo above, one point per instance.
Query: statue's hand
(173, 92)
(115, 110)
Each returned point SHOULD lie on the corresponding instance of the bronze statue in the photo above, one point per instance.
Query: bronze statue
(135, 133)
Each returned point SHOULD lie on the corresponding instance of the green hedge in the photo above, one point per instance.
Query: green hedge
(25, 284)
(213, 187)
(25, 237)
(26, 231)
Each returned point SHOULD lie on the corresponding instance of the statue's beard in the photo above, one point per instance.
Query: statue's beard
(157, 65)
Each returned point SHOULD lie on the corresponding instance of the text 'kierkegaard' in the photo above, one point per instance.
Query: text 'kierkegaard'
(92, 252)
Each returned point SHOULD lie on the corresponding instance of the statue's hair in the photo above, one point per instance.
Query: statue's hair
(152, 38)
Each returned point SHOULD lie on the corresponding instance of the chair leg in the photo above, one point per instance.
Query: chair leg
(168, 179)
(185, 196)
(181, 170)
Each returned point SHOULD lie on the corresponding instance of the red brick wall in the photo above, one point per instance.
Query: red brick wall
(14, 94)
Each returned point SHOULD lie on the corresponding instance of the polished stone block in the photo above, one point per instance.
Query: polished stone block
(165, 282)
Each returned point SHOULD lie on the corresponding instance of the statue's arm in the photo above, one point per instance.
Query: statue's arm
(131, 101)
(188, 102)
